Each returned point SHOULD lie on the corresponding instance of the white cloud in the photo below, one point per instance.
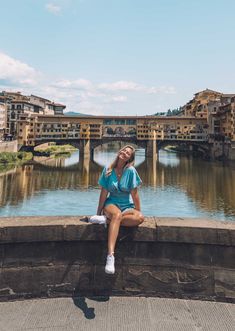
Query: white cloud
(121, 86)
(130, 86)
(53, 8)
(15, 71)
(83, 84)
(161, 90)
(81, 95)
(119, 98)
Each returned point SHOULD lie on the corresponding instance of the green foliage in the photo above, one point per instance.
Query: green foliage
(56, 149)
(15, 158)
(174, 112)
(170, 112)
(160, 114)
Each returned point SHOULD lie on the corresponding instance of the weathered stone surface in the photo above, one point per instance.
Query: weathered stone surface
(151, 280)
(225, 283)
(45, 281)
(195, 231)
(56, 256)
(223, 256)
(108, 284)
(47, 253)
(28, 229)
(172, 254)
(25, 229)
(175, 282)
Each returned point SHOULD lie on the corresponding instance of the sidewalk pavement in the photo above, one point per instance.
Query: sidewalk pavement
(116, 313)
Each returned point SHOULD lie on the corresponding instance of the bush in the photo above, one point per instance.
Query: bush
(15, 158)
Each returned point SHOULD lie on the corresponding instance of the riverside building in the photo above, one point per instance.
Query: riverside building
(19, 104)
(3, 117)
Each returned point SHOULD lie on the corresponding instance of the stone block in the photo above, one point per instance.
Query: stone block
(186, 234)
(105, 284)
(31, 233)
(195, 231)
(45, 281)
(165, 253)
(148, 280)
(196, 281)
(223, 256)
(225, 284)
(170, 281)
(46, 253)
(1, 255)
(85, 231)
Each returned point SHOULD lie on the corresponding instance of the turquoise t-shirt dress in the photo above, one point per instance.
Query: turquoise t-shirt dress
(119, 190)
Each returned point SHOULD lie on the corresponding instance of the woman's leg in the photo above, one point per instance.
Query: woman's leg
(114, 215)
(132, 218)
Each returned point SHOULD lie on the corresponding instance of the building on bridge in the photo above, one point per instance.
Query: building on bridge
(86, 133)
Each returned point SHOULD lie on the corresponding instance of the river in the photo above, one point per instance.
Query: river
(173, 185)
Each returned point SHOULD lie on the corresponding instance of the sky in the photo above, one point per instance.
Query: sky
(117, 57)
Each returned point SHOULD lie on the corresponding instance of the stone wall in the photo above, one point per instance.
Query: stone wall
(8, 146)
(165, 257)
(232, 151)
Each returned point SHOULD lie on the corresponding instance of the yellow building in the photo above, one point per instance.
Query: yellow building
(32, 127)
(3, 118)
(225, 118)
(198, 106)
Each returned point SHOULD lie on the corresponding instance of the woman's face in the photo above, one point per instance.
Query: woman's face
(125, 154)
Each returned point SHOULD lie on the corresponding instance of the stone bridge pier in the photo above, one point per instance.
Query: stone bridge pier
(85, 150)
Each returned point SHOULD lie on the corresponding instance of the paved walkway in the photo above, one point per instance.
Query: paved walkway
(116, 313)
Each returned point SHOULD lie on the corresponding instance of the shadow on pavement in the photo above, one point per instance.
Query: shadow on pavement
(89, 312)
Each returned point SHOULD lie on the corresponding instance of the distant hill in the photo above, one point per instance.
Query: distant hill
(73, 113)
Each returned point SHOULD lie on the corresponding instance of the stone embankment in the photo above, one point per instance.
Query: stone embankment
(164, 257)
(9, 146)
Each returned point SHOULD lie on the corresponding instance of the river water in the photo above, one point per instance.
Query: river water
(173, 185)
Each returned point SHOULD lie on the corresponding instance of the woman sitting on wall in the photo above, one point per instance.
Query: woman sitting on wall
(119, 199)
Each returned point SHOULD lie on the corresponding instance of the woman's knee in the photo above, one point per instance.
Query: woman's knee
(117, 217)
(113, 213)
(140, 218)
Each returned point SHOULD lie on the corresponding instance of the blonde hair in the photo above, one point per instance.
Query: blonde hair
(129, 163)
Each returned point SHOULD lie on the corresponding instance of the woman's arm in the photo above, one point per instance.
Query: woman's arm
(136, 198)
(103, 196)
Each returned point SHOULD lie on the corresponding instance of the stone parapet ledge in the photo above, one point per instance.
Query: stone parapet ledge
(164, 257)
(160, 229)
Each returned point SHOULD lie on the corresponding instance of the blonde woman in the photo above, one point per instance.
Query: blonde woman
(119, 199)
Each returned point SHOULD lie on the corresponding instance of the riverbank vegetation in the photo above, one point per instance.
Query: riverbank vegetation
(15, 158)
(56, 150)
(9, 160)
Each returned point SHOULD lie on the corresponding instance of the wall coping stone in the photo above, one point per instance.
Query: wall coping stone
(159, 229)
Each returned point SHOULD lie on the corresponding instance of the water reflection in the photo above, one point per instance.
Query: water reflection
(173, 185)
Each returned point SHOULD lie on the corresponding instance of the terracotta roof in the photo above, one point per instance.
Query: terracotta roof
(35, 96)
(208, 90)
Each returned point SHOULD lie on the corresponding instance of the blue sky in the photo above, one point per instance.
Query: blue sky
(120, 57)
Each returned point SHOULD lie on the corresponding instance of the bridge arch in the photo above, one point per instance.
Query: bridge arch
(126, 140)
(192, 146)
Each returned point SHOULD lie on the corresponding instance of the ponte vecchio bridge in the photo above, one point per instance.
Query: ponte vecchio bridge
(88, 132)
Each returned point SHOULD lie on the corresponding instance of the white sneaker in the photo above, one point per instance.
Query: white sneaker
(109, 268)
(97, 219)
